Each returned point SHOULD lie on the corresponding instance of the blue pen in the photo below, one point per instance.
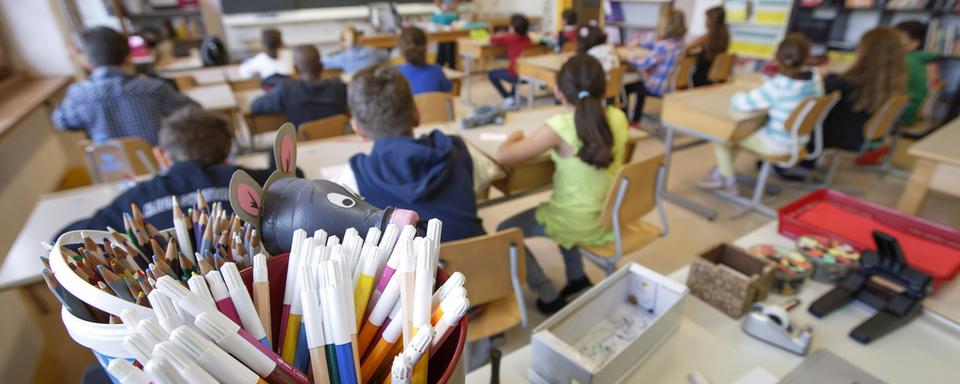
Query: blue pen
(301, 359)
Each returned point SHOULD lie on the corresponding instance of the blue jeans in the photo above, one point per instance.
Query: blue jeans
(498, 76)
(536, 279)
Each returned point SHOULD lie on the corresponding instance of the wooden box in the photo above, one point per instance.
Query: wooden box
(730, 279)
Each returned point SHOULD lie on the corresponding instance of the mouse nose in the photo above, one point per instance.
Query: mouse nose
(403, 217)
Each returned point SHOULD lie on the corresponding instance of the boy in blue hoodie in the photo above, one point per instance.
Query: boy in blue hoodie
(431, 174)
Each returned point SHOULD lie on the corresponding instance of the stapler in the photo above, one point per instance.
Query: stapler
(770, 323)
(884, 282)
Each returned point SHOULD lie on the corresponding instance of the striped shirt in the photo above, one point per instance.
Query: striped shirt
(779, 95)
(665, 56)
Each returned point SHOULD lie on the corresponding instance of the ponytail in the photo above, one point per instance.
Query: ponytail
(583, 83)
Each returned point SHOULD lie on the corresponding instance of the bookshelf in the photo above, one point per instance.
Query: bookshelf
(627, 20)
(756, 26)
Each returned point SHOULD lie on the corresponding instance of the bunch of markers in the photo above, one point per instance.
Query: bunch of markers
(345, 307)
(206, 238)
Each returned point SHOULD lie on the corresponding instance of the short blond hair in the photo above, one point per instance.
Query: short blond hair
(672, 24)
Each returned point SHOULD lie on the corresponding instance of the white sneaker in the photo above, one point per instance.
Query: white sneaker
(509, 102)
(713, 180)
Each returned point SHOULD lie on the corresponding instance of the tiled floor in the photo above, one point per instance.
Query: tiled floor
(689, 234)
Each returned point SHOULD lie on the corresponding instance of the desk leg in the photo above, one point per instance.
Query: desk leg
(916, 190)
(466, 80)
(690, 205)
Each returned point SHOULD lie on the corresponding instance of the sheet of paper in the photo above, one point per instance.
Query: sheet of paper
(757, 375)
(493, 136)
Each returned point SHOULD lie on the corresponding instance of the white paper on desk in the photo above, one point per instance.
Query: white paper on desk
(331, 172)
(757, 375)
(493, 136)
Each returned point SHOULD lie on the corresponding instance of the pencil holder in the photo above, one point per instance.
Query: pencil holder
(832, 259)
(729, 279)
(104, 340)
(792, 269)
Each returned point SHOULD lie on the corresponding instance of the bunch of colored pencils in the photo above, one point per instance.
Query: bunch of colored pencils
(346, 304)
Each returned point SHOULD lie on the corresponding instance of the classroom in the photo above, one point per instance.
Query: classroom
(479, 191)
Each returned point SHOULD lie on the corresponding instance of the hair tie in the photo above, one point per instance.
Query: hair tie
(583, 95)
(584, 32)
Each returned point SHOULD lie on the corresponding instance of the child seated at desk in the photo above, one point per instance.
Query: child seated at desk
(914, 34)
(432, 174)
(267, 64)
(665, 54)
(353, 57)
(515, 41)
(593, 41)
(779, 95)
(587, 145)
(567, 35)
(192, 150)
(707, 47)
(308, 97)
(423, 77)
(112, 102)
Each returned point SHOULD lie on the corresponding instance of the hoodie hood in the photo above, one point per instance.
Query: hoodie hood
(406, 168)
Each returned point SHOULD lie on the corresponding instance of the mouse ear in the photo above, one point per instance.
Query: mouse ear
(246, 198)
(285, 149)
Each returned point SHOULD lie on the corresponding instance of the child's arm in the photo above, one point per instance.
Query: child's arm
(658, 55)
(699, 43)
(334, 61)
(756, 99)
(268, 103)
(517, 149)
(445, 84)
(67, 116)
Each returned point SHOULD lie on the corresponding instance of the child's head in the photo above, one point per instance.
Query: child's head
(583, 83)
(272, 41)
(307, 60)
(193, 134)
(716, 17)
(792, 54)
(348, 37)
(104, 47)
(671, 25)
(589, 36)
(570, 17)
(914, 33)
(519, 24)
(413, 45)
(381, 102)
(880, 70)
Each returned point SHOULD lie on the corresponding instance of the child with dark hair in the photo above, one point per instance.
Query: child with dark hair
(568, 34)
(267, 65)
(779, 96)
(423, 77)
(707, 47)
(192, 149)
(587, 145)
(306, 98)
(914, 34)
(515, 41)
(593, 41)
(112, 102)
(432, 174)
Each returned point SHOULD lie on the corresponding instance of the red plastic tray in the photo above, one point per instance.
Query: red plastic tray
(928, 246)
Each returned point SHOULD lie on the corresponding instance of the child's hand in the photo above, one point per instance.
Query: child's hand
(515, 136)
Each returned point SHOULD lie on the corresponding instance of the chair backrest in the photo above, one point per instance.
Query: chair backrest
(435, 107)
(810, 113)
(332, 126)
(614, 85)
(485, 262)
(721, 68)
(682, 76)
(265, 123)
(118, 159)
(881, 123)
(570, 46)
(930, 101)
(640, 196)
(535, 50)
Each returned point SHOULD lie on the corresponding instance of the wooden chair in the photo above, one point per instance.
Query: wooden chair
(925, 124)
(570, 46)
(118, 159)
(682, 76)
(806, 118)
(721, 68)
(326, 127)
(615, 86)
(258, 124)
(634, 193)
(879, 127)
(495, 272)
(435, 107)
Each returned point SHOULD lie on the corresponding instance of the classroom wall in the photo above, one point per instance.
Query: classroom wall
(32, 33)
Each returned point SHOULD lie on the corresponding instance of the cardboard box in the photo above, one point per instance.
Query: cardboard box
(644, 304)
(730, 279)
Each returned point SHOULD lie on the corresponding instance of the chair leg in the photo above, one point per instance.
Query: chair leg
(832, 170)
(758, 190)
(515, 282)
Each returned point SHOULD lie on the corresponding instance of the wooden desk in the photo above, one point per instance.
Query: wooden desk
(245, 99)
(479, 51)
(52, 213)
(167, 62)
(709, 342)
(217, 97)
(23, 94)
(543, 68)
(389, 41)
(936, 151)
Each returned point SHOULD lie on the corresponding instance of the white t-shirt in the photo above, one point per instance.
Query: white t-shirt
(264, 66)
(606, 55)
